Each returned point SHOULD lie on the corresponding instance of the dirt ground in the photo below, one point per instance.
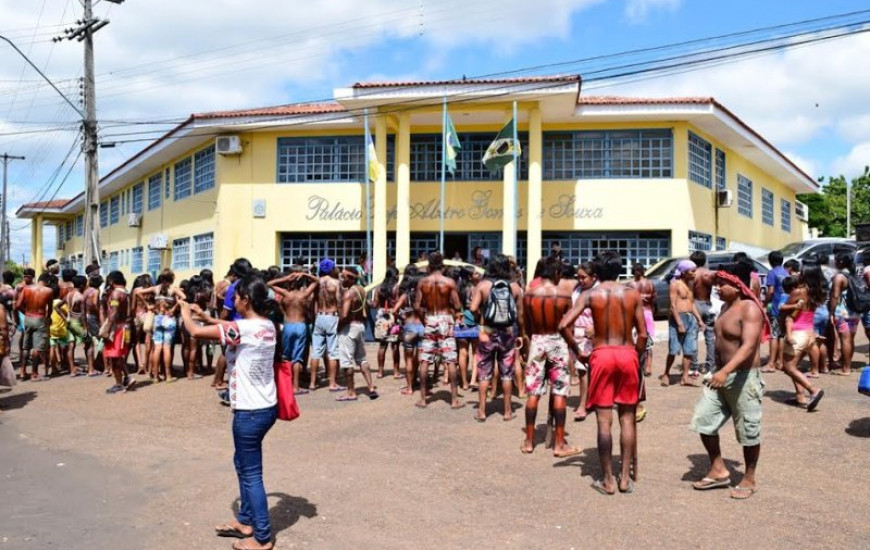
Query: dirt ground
(153, 469)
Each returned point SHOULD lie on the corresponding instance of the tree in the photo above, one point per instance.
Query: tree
(828, 208)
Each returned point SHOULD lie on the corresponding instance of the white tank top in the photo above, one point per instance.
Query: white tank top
(251, 358)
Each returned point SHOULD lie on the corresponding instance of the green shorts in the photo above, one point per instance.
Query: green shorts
(739, 399)
(61, 341)
(35, 333)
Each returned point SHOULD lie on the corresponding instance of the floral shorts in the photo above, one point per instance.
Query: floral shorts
(439, 345)
(548, 360)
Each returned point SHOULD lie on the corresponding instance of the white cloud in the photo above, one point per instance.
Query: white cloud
(637, 11)
(852, 164)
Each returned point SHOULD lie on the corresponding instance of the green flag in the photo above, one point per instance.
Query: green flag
(452, 146)
(501, 151)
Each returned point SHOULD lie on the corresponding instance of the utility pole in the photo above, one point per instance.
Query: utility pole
(4, 225)
(85, 33)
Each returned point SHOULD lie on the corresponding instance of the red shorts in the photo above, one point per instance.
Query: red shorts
(614, 377)
(119, 344)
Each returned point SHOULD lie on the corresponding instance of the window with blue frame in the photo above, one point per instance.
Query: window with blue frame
(155, 184)
(136, 260)
(744, 196)
(608, 154)
(153, 260)
(183, 178)
(203, 250)
(168, 182)
(60, 234)
(69, 230)
(80, 225)
(721, 243)
(203, 170)
(785, 213)
(720, 170)
(326, 159)
(766, 207)
(426, 157)
(700, 241)
(700, 161)
(114, 209)
(104, 214)
(181, 253)
(138, 191)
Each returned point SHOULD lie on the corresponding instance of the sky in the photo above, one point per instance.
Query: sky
(158, 61)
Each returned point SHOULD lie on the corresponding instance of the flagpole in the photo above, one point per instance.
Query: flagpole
(367, 177)
(516, 184)
(443, 171)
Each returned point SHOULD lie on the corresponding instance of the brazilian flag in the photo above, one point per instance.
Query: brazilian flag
(501, 151)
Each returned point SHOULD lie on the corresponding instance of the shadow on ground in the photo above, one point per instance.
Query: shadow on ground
(859, 427)
(16, 400)
(286, 512)
(700, 465)
(785, 397)
(587, 461)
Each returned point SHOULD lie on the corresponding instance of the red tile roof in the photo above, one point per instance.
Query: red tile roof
(518, 80)
(45, 205)
(622, 100)
(280, 110)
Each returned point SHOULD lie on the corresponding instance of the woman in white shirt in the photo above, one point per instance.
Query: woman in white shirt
(251, 350)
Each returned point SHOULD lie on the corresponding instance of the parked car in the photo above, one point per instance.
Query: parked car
(662, 272)
(802, 250)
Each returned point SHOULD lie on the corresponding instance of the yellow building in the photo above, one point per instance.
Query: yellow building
(274, 184)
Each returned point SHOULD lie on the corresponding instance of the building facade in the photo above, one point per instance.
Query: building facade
(280, 184)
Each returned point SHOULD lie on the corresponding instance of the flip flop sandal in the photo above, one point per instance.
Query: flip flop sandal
(337, 389)
(628, 490)
(744, 492)
(346, 398)
(814, 401)
(598, 487)
(707, 483)
(230, 531)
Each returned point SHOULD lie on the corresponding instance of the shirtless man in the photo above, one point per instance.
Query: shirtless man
(352, 335)
(35, 302)
(66, 285)
(683, 322)
(648, 299)
(437, 303)
(324, 338)
(702, 289)
(92, 321)
(75, 300)
(28, 276)
(549, 356)
(497, 344)
(614, 369)
(118, 342)
(735, 388)
(294, 302)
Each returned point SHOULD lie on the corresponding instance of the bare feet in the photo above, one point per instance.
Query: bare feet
(457, 404)
(527, 447)
(251, 544)
(421, 404)
(509, 416)
(406, 391)
(565, 450)
(665, 380)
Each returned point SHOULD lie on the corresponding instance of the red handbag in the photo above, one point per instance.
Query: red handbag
(288, 409)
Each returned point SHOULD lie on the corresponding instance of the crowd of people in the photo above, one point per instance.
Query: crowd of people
(568, 327)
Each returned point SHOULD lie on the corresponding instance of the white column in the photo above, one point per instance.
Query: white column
(533, 212)
(403, 191)
(379, 248)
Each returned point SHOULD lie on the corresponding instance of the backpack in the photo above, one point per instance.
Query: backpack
(500, 309)
(858, 294)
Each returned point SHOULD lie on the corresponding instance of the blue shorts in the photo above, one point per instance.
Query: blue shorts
(295, 340)
(686, 343)
(821, 318)
(865, 320)
(164, 330)
(324, 339)
(412, 334)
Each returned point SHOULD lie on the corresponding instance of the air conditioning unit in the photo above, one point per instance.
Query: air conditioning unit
(228, 145)
(802, 211)
(724, 198)
(134, 220)
(159, 241)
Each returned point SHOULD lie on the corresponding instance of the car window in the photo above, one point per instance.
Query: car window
(844, 247)
(661, 268)
(824, 249)
(792, 249)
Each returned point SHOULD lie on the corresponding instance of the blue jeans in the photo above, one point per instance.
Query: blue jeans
(709, 318)
(249, 429)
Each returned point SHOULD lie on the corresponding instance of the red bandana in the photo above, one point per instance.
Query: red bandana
(748, 295)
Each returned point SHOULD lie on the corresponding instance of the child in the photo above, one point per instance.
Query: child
(789, 310)
(59, 338)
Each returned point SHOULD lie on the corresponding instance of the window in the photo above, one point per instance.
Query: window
(60, 235)
(69, 230)
(181, 253)
(203, 170)
(615, 154)
(104, 214)
(113, 261)
(426, 158)
(153, 260)
(744, 196)
(80, 225)
(182, 178)
(700, 241)
(644, 247)
(700, 164)
(137, 197)
(720, 170)
(124, 195)
(785, 213)
(155, 184)
(136, 260)
(203, 250)
(114, 209)
(328, 159)
(766, 207)
(168, 181)
(721, 243)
